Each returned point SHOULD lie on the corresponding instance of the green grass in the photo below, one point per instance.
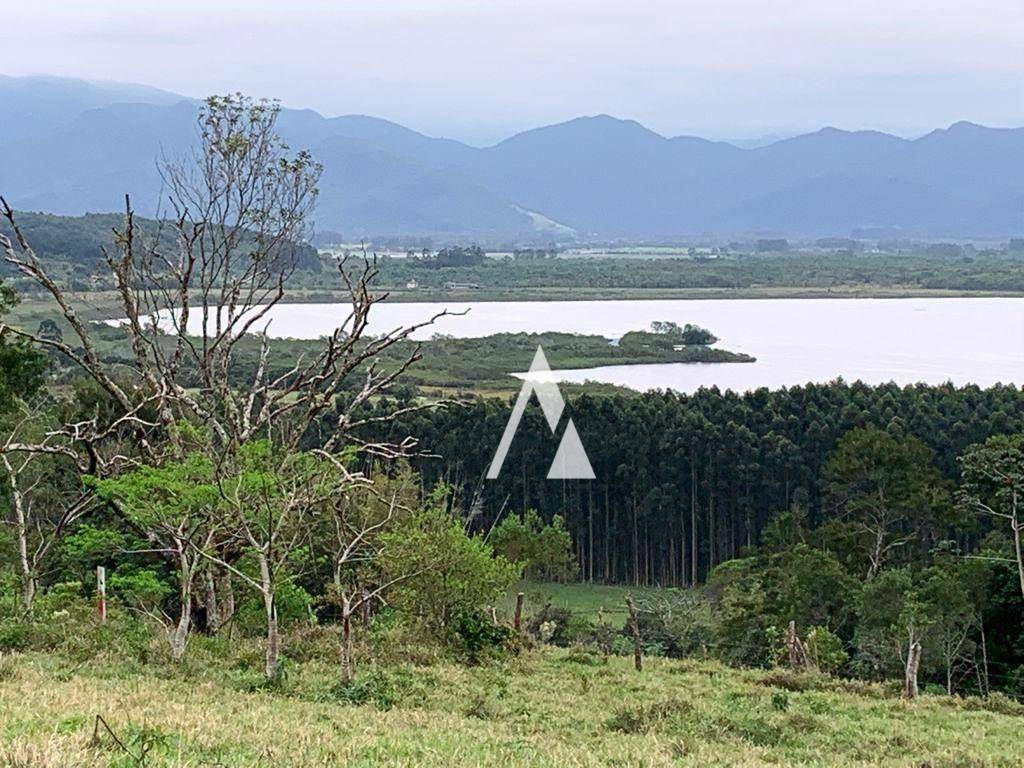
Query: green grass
(591, 600)
(544, 708)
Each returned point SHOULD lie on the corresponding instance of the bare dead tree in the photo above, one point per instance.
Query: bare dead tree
(194, 297)
(41, 513)
(352, 532)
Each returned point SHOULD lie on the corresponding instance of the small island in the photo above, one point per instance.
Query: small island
(486, 363)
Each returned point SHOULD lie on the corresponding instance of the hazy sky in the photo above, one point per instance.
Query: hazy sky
(481, 70)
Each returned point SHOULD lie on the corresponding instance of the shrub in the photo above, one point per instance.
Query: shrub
(622, 646)
(994, 702)
(293, 603)
(477, 636)
(562, 627)
(384, 689)
(454, 572)
(585, 658)
(15, 637)
(139, 587)
(825, 650)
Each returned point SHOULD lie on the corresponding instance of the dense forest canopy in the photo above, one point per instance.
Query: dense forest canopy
(723, 462)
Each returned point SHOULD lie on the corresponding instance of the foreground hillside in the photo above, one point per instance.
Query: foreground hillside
(545, 708)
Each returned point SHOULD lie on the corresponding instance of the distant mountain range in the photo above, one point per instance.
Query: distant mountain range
(70, 147)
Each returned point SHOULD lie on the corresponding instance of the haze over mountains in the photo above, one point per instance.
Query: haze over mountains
(72, 147)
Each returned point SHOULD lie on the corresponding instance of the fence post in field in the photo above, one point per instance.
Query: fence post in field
(634, 625)
(517, 617)
(101, 591)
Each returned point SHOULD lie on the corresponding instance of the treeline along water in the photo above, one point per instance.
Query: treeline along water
(684, 482)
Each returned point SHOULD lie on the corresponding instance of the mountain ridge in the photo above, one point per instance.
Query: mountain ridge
(71, 146)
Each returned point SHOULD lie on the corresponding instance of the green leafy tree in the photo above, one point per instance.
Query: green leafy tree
(179, 508)
(887, 492)
(22, 367)
(443, 570)
(695, 335)
(895, 619)
(42, 486)
(809, 586)
(545, 549)
(993, 485)
(946, 588)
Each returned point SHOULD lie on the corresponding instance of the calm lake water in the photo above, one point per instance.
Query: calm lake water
(795, 341)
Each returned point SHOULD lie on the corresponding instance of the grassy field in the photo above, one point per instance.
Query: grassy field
(553, 708)
(591, 600)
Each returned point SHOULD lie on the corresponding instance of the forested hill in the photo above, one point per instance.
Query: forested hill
(71, 147)
(73, 246)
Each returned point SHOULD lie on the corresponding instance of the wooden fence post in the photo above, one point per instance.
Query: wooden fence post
(517, 617)
(634, 625)
(798, 658)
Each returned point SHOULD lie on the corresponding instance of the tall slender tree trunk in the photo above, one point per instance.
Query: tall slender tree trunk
(178, 637)
(683, 574)
(984, 656)
(875, 555)
(213, 618)
(712, 519)
(226, 596)
(28, 578)
(712, 530)
(673, 578)
(607, 538)
(273, 657)
(693, 520)
(590, 537)
(1016, 524)
(636, 549)
(913, 664)
(347, 672)
(617, 570)
(648, 555)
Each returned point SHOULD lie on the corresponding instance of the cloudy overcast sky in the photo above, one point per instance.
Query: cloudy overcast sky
(479, 71)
